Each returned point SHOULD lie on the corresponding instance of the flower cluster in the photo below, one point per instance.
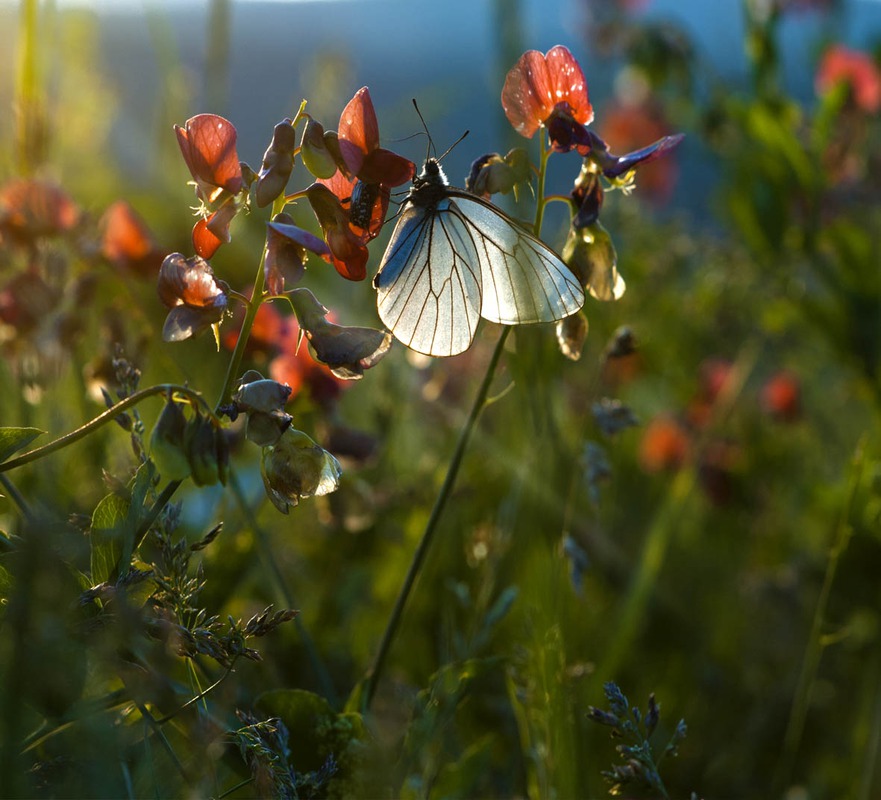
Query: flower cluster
(549, 92)
(671, 442)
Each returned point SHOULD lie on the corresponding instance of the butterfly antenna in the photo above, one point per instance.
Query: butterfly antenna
(447, 151)
(430, 147)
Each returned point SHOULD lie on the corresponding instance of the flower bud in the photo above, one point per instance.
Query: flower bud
(206, 450)
(295, 467)
(313, 150)
(278, 163)
(167, 443)
(571, 335)
(590, 254)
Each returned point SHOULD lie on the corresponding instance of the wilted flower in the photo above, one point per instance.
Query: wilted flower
(548, 90)
(493, 174)
(858, 70)
(263, 401)
(348, 351)
(627, 125)
(126, 241)
(286, 246)
(278, 163)
(590, 254)
(295, 467)
(31, 208)
(197, 300)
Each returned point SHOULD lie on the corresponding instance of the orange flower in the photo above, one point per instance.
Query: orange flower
(126, 241)
(858, 70)
(664, 446)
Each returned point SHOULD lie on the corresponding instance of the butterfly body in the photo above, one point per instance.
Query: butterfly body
(453, 258)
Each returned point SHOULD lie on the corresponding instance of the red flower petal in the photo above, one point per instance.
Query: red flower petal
(386, 168)
(205, 241)
(208, 145)
(539, 83)
(359, 130)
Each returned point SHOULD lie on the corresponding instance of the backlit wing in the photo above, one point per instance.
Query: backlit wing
(461, 258)
(522, 280)
(429, 282)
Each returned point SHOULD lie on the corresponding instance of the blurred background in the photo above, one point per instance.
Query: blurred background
(691, 509)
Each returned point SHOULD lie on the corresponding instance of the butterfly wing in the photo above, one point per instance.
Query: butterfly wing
(522, 280)
(428, 285)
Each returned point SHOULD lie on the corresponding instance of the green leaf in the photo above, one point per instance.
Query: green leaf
(109, 523)
(115, 522)
(14, 439)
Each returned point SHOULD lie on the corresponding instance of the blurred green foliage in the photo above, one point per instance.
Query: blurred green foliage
(732, 571)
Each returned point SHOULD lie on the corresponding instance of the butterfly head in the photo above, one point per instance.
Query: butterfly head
(432, 174)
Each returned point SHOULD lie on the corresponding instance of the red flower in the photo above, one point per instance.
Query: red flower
(858, 70)
(359, 145)
(548, 90)
(348, 253)
(368, 171)
(32, 208)
(269, 333)
(715, 375)
(126, 240)
(208, 145)
(781, 397)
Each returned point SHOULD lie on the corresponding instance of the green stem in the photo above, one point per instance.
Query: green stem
(480, 401)
(251, 309)
(28, 98)
(372, 678)
(811, 662)
(102, 419)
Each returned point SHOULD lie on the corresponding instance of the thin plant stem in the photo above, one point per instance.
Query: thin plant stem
(811, 661)
(370, 682)
(480, 401)
(102, 419)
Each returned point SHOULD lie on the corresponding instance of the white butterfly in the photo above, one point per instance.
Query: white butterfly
(454, 257)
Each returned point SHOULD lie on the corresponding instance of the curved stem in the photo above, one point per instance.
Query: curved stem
(431, 526)
(102, 419)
